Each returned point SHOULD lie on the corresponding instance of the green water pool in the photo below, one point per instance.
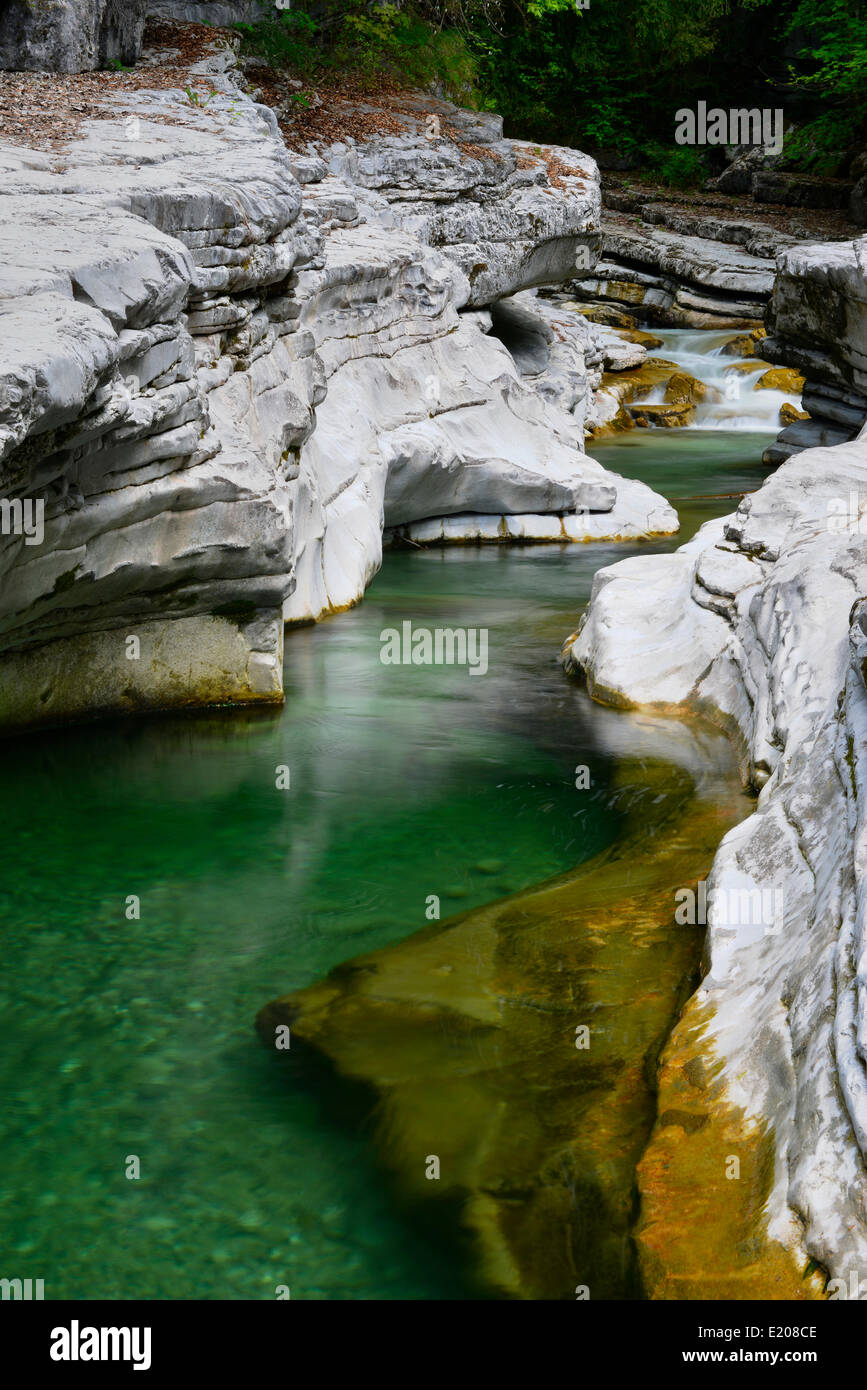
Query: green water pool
(134, 1037)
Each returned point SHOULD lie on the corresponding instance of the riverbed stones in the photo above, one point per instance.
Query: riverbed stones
(781, 379)
(744, 344)
(748, 368)
(666, 416)
(613, 412)
(684, 389)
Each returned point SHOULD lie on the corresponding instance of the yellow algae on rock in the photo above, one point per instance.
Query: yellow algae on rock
(665, 416)
(517, 1045)
(704, 1182)
(781, 379)
(790, 413)
(684, 389)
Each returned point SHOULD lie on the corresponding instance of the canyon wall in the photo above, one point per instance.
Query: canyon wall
(226, 367)
(760, 622)
(70, 35)
(817, 322)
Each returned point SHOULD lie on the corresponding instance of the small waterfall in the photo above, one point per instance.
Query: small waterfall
(739, 407)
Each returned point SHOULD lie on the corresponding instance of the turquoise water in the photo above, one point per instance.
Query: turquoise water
(135, 1038)
(690, 467)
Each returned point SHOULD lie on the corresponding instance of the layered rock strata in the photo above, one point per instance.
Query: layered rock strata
(760, 622)
(225, 368)
(817, 322)
(680, 279)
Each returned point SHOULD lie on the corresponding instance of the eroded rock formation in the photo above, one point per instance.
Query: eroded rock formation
(759, 623)
(693, 274)
(818, 323)
(225, 367)
(70, 35)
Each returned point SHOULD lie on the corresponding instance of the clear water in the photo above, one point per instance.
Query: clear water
(135, 1037)
(741, 407)
(704, 473)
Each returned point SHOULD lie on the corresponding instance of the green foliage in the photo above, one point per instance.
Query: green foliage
(680, 167)
(608, 78)
(196, 98)
(289, 39)
(370, 41)
(605, 77)
(834, 54)
(400, 43)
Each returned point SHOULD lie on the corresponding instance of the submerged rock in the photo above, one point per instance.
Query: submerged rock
(646, 340)
(515, 1044)
(746, 368)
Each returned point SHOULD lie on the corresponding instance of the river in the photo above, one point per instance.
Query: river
(131, 1037)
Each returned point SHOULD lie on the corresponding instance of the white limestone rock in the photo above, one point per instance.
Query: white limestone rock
(428, 424)
(151, 400)
(760, 623)
(556, 350)
(225, 368)
(489, 204)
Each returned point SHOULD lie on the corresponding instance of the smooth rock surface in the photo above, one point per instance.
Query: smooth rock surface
(225, 368)
(760, 623)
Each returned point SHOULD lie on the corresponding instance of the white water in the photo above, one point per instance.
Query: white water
(741, 407)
